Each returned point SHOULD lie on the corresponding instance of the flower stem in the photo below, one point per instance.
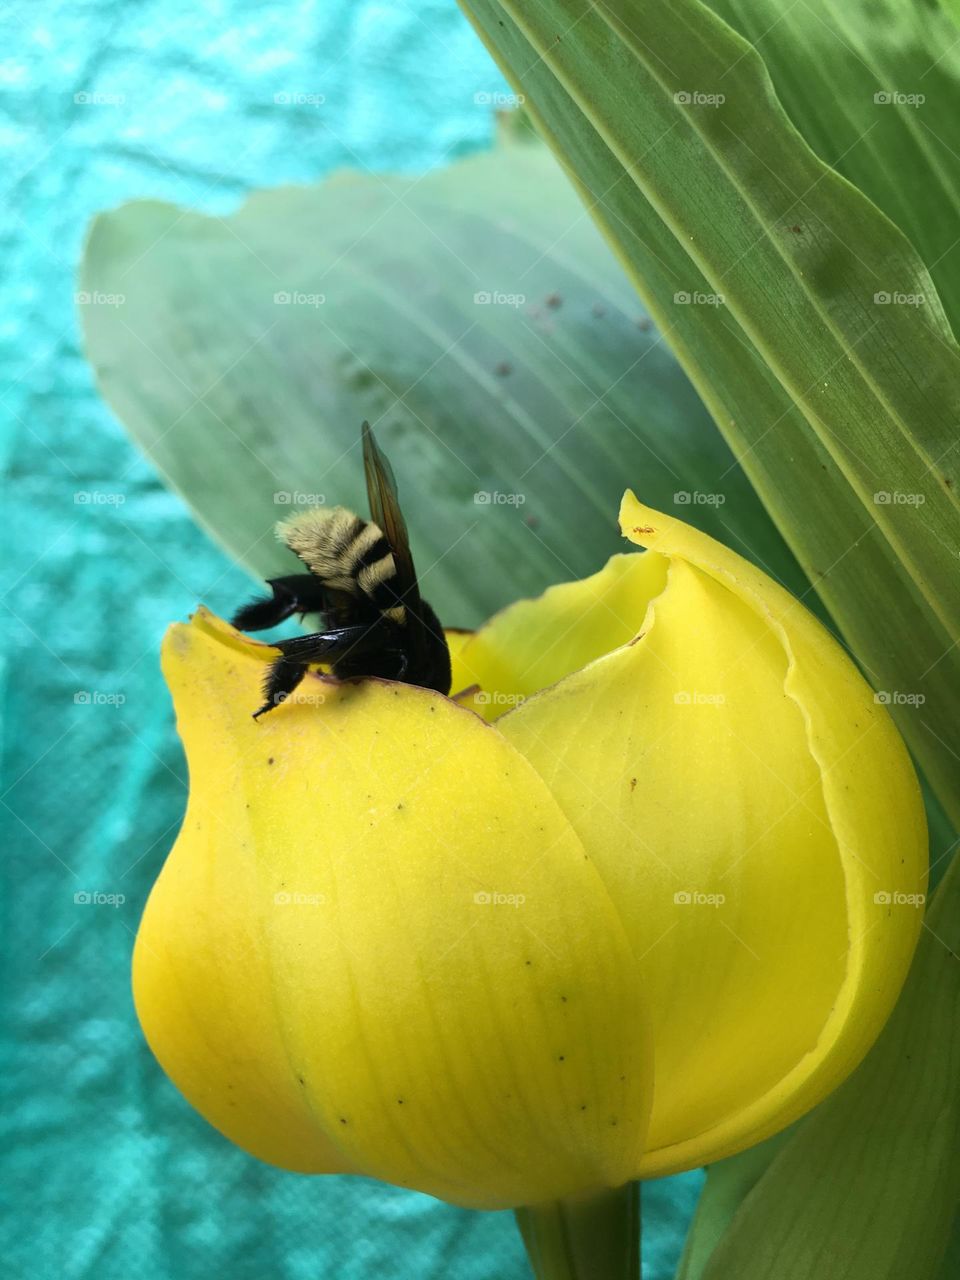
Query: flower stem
(588, 1237)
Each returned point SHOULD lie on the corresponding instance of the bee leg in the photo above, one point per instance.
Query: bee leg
(299, 593)
(288, 670)
(282, 678)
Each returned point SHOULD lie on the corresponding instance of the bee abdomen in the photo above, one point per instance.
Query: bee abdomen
(347, 553)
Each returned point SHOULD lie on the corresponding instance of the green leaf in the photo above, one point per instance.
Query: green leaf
(728, 1182)
(827, 398)
(950, 1267)
(830, 63)
(868, 1186)
(563, 399)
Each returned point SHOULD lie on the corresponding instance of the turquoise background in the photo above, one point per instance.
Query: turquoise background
(107, 1171)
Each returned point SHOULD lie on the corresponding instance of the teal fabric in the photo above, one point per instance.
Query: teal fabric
(107, 1172)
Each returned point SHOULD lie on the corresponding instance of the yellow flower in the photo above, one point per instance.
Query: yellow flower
(651, 913)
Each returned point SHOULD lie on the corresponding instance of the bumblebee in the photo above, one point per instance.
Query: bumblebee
(362, 581)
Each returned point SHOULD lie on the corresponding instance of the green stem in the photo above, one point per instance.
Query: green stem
(594, 1236)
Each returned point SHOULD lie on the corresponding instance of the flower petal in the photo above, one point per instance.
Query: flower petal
(534, 643)
(321, 969)
(745, 800)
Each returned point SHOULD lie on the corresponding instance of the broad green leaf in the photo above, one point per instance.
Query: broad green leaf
(950, 1267)
(551, 398)
(868, 1186)
(842, 411)
(728, 1182)
(873, 88)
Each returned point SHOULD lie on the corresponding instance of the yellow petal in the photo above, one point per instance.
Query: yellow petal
(534, 643)
(746, 801)
(322, 972)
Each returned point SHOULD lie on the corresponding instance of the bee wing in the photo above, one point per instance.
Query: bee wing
(385, 512)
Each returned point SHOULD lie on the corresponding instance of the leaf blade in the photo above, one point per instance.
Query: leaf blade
(236, 397)
(850, 541)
